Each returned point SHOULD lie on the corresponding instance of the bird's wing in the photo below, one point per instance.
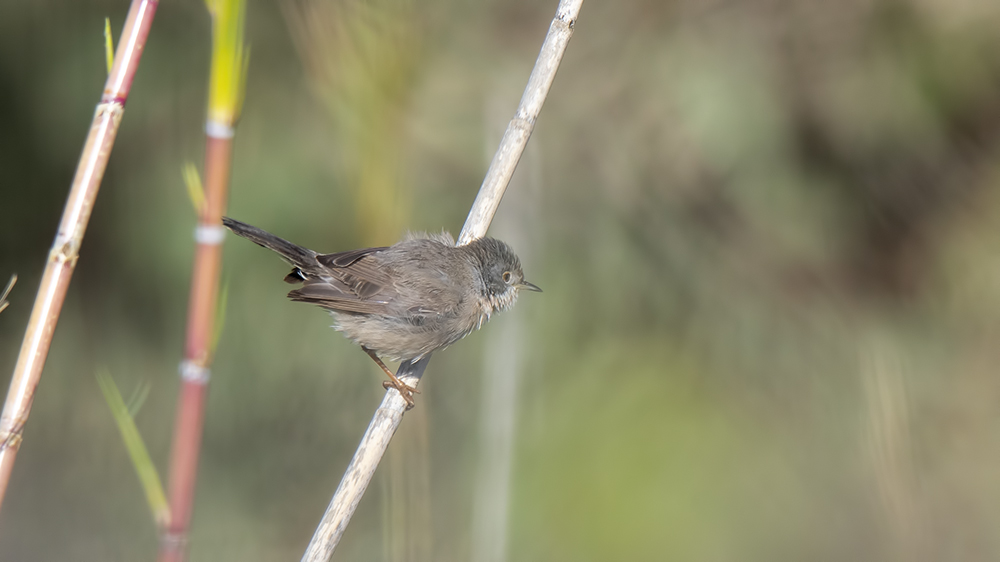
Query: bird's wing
(353, 281)
(345, 259)
(334, 295)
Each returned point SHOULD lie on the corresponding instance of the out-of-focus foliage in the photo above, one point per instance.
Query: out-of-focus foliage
(769, 238)
(363, 59)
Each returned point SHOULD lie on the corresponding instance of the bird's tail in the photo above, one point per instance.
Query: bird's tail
(296, 255)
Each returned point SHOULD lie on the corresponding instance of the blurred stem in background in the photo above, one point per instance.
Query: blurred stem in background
(66, 247)
(503, 359)
(363, 60)
(225, 99)
(889, 444)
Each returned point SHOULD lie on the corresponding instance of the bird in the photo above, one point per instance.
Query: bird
(404, 301)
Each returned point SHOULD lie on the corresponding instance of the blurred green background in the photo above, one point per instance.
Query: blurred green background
(768, 234)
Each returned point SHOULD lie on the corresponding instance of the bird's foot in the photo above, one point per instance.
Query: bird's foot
(405, 390)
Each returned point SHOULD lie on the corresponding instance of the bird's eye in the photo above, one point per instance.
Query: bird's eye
(507, 277)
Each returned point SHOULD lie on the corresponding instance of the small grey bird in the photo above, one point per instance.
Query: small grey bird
(403, 301)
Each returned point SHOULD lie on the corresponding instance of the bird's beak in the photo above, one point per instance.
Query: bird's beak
(529, 286)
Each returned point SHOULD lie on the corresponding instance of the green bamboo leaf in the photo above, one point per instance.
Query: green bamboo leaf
(196, 193)
(138, 398)
(220, 316)
(141, 461)
(242, 89)
(109, 46)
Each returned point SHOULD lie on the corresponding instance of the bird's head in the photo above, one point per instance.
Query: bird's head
(501, 272)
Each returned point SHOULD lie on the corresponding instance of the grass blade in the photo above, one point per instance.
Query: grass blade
(144, 468)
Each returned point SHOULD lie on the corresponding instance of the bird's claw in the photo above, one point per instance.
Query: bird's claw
(405, 390)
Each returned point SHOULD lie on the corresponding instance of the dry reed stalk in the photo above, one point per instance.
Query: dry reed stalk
(227, 77)
(66, 247)
(390, 413)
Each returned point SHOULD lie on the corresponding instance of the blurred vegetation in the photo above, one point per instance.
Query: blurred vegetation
(769, 246)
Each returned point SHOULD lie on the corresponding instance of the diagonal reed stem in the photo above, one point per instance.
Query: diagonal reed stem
(66, 247)
(390, 413)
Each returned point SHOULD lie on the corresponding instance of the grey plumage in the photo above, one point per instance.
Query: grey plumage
(406, 300)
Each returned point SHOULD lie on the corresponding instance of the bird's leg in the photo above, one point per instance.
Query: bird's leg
(405, 390)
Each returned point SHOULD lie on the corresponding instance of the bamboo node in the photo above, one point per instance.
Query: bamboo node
(65, 250)
(173, 540)
(115, 106)
(219, 130)
(12, 439)
(193, 372)
(209, 234)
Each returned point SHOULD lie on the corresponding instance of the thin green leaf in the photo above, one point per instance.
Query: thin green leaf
(220, 316)
(241, 94)
(138, 398)
(109, 45)
(196, 193)
(144, 468)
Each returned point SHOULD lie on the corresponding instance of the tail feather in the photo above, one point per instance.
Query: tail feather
(296, 255)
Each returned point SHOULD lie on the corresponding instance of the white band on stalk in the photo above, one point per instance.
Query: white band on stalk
(219, 130)
(193, 372)
(208, 234)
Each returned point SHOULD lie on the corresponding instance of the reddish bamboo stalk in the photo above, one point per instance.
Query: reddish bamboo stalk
(66, 247)
(198, 347)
